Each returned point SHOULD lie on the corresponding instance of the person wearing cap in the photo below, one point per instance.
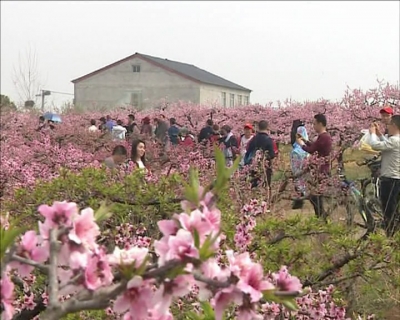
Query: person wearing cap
(244, 140)
(386, 115)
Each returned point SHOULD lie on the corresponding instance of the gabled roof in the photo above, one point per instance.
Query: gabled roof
(185, 70)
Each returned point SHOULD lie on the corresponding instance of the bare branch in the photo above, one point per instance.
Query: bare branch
(26, 76)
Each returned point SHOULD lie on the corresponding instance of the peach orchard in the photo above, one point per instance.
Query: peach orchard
(190, 240)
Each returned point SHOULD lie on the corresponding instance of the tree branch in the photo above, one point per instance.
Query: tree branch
(26, 314)
(43, 268)
(86, 300)
(53, 280)
(149, 203)
(328, 272)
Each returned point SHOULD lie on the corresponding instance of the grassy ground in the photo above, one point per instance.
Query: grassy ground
(389, 307)
(353, 172)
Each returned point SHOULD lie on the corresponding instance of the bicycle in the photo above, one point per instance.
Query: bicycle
(370, 216)
(368, 208)
(372, 197)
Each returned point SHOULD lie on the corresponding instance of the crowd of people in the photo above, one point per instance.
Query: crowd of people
(256, 137)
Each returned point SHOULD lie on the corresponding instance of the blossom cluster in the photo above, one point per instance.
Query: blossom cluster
(66, 249)
(243, 236)
(33, 155)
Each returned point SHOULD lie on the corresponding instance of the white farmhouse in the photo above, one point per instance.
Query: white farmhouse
(143, 81)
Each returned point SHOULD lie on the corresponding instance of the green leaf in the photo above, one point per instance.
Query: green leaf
(194, 179)
(142, 268)
(220, 161)
(192, 189)
(208, 310)
(290, 304)
(205, 251)
(223, 173)
(269, 295)
(7, 238)
(234, 167)
(103, 213)
(196, 239)
(175, 272)
(190, 315)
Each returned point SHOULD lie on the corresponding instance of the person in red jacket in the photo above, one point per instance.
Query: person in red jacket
(322, 147)
(215, 136)
(186, 139)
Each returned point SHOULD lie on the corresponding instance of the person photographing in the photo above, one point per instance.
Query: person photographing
(390, 171)
(386, 117)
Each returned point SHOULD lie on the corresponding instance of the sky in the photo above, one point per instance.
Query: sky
(301, 50)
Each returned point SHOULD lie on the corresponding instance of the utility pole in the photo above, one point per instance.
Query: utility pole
(47, 93)
(44, 93)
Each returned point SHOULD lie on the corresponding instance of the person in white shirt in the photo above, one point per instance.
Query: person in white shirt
(119, 131)
(93, 127)
(245, 139)
(390, 171)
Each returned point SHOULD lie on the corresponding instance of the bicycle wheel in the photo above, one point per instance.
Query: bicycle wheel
(367, 189)
(372, 204)
(356, 204)
(374, 208)
(352, 207)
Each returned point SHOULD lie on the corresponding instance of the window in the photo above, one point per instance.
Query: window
(239, 100)
(246, 100)
(232, 100)
(223, 98)
(136, 68)
(136, 99)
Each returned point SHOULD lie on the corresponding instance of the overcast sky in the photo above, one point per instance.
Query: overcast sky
(304, 50)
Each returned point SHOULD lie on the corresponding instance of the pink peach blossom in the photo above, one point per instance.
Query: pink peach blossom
(7, 292)
(85, 229)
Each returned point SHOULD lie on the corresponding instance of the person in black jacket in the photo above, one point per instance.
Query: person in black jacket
(206, 132)
(261, 141)
(132, 126)
(231, 145)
